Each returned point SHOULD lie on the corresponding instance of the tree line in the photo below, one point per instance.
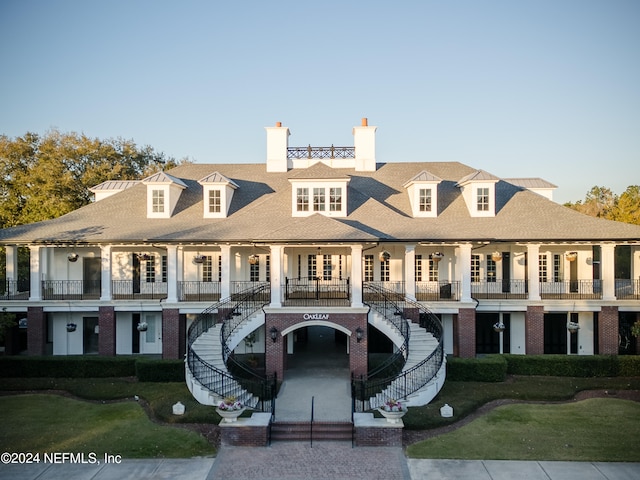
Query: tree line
(603, 203)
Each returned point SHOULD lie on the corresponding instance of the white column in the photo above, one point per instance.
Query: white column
(356, 275)
(463, 268)
(105, 272)
(11, 268)
(277, 272)
(225, 288)
(172, 273)
(410, 272)
(607, 265)
(533, 273)
(35, 288)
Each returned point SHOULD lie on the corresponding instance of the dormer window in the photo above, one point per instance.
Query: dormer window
(321, 192)
(479, 193)
(423, 194)
(163, 192)
(218, 192)
(302, 200)
(482, 199)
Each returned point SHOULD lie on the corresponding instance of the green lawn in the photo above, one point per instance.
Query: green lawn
(597, 429)
(52, 423)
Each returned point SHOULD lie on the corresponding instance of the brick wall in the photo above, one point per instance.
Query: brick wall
(275, 358)
(534, 330)
(608, 324)
(107, 335)
(36, 331)
(378, 437)
(245, 435)
(171, 333)
(465, 331)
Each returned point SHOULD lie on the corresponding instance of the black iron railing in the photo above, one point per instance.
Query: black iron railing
(198, 291)
(14, 289)
(137, 290)
(627, 289)
(485, 289)
(71, 289)
(316, 291)
(231, 312)
(437, 291)
(369, 392)
(321, 152)
(571, 289)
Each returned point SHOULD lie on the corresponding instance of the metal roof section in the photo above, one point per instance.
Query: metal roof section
(423, 176)
(530, 183)
(477, 176)
(162, 177)
(217, 178)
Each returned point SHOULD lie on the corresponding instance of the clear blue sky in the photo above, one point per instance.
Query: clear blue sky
(547, 88)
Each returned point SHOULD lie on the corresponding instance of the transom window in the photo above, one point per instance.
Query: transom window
(302, 199)
(482, 199)
(215, 201)
(425, 200)
(157, 201)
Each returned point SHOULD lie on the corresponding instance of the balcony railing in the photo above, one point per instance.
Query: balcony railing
(627, 289)
(70, 290)
(572, 289)
(514, 289)
(198, 291)
(435, 291)
(317, 292)
(14, 289)
(321, 152)
(137, 290)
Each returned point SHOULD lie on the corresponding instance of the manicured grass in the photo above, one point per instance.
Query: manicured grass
(52, 423)
(596, 429)
(467, 397)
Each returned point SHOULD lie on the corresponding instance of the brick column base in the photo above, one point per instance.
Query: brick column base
(608, 326)
(246, 432)
(36, 331)
(466, 332)
(171, 333)
(534, 330)
(107, 329)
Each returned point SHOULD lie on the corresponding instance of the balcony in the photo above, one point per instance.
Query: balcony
(14, 289)
(70, 290)
(437, 291)
(316, 292)
(137, 290)
(572, 290)
(499, 289)
(627, 289)
(198, 291)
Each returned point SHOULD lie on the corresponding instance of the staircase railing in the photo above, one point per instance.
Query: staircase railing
(231, 312)
(403, 384)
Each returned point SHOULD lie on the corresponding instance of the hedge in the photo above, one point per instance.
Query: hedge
(76, 366)
(492, 368)
(148, 370)
(571, 365)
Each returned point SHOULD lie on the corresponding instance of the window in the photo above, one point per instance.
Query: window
(384, 271)
(318, 199)
(557, 268)
(475, 268)
(299, 266)
(302, 199)
(335, 199)
(418, 268)
(542, 269)
(482, 199)
(164, 269)
(340, 266)
(254, 271)
(311, 266)
(267, 267)
(433, 271)
(368, 268)
(425, 199)
(491, 269)
(327, 267)
(150, 270)
(207, 269)
(219, 268)
(215, 201)
(157, 201)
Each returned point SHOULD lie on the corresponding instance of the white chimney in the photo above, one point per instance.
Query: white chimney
(364, 141)
(277, 144)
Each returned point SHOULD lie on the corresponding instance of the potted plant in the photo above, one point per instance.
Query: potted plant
(437, 256)
(571, 256)
(384, 256)
(573, 327)
(393, 410)
(635, 329)
(199, 258)
(499, 327)
(144, 257)
(73, 257)
(496, 256)
(71, 327)
(230, 409)
(143, 326)
(253, 259)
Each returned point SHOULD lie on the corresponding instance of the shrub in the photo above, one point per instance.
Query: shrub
(629, 365)
(492, 368)
(564, 365)
(148, 370)
(76, 366)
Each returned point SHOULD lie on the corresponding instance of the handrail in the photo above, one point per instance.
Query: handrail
(311, 424)
(411, 380)
(228, 312)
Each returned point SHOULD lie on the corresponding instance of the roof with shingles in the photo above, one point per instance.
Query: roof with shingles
(378, 210)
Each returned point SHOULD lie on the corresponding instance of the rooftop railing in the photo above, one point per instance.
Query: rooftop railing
(321, 152)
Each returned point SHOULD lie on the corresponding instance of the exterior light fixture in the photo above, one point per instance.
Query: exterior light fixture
(274, 334)
(359, 334)
(72, 257)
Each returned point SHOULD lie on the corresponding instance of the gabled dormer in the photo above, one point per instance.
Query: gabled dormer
(319, 189)
(423, 194)
(163, 192)
(479, 193)
(217, 191)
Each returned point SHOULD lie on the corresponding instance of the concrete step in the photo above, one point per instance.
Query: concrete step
(304, 431)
